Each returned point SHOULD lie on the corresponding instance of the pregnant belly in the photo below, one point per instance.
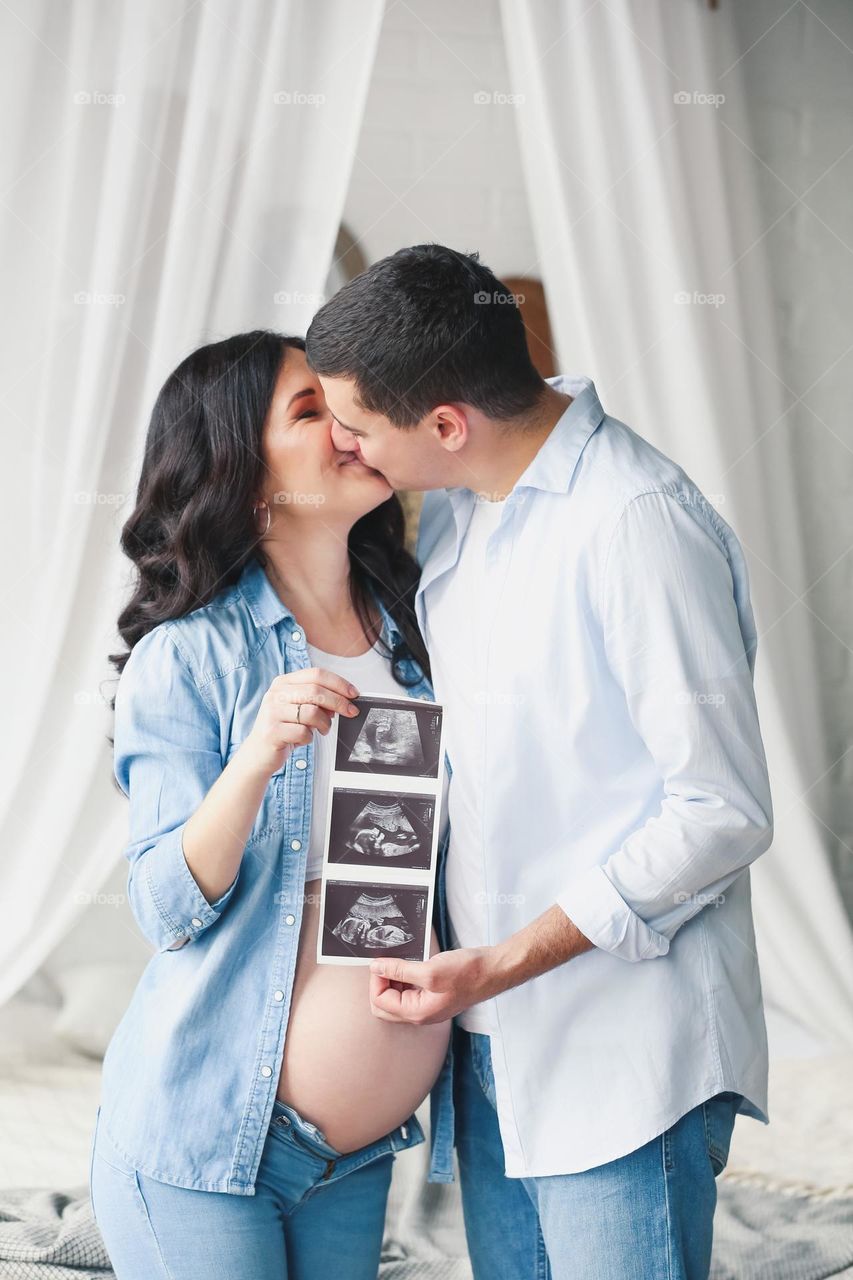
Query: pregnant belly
(348, 1072)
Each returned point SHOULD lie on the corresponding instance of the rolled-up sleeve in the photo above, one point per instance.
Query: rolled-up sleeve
(679, 640)
(166, 758)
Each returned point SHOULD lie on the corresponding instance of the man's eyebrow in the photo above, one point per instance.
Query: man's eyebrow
(309, 391)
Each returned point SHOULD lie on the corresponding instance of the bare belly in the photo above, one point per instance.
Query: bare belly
(351, 1074)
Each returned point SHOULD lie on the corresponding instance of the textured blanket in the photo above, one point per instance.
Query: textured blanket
(759, 1235)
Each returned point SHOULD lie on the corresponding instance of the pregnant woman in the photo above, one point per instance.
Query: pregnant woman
(251, 1104)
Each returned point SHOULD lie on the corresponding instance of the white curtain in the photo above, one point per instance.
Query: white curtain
(171, 174)
(642, 190)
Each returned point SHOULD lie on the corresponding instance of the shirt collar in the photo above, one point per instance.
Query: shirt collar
(261, 597)
(554, 465)
(267, 609)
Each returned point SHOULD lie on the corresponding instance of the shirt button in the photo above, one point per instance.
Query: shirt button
(195, 920)
(278, 995)
(296, 845)
(302, 764)
(266, 1072)
(296, 636)
(290, 919)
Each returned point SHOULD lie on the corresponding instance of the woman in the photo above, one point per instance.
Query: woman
(251, 1103)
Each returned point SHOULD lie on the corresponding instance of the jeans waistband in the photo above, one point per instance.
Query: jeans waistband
(408, 1134)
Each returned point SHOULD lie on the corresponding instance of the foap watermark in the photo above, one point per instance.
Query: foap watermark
(700, 899)
(498, 98)
(684, 298)
(692, 498)
(84, 899)
(695, 98)
(698, 698)
(295, 498)
(513, 499)
(96, 98)
(89, 698)
(498, 698)
(298, 98)
(498, 298)
(296, 298)
(284, 899)
(493, 899)
(92, 298)
(98, 498)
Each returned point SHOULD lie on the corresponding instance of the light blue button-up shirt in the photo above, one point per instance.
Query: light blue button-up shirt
(624, 778)
(191, 1073)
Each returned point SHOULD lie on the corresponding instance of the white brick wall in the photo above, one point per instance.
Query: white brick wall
(435, 165)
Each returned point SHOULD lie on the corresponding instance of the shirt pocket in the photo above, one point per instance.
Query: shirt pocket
(269, 820)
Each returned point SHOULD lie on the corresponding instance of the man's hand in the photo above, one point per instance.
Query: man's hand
(425, 991)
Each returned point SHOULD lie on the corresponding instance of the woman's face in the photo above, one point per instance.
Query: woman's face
(305, 476)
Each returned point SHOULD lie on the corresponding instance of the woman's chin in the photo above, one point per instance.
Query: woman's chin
(369, 481)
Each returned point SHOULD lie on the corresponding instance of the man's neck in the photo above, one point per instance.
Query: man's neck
(504, 457)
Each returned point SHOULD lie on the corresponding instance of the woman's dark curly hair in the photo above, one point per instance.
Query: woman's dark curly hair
(192, 530)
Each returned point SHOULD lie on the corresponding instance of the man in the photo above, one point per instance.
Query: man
(588, 619)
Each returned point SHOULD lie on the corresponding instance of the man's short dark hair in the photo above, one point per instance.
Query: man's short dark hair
(425, 326)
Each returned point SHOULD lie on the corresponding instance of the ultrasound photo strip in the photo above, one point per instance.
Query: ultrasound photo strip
(396, 737)
(382, 831)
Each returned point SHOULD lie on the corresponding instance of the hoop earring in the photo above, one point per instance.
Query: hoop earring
(255, 517)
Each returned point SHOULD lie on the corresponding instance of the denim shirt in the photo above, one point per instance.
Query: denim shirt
(191, 1072)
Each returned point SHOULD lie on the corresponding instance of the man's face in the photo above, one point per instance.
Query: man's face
(408, 457)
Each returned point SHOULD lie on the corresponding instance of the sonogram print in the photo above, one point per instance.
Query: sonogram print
(387, 738)
(381, 829)
(366, 920)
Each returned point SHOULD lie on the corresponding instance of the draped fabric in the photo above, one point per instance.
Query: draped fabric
(642, 186)
(172, 174)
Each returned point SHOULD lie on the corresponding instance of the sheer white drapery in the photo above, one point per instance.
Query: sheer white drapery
(643, 193)
(178, 174)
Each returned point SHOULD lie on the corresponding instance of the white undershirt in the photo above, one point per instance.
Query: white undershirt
(370, 673)
(457, 637)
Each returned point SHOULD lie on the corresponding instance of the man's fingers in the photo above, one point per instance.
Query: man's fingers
(376, 986)
(415, 972)
(385, 1000)
(391, 1003)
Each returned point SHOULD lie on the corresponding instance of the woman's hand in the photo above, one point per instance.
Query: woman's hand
(316, 695)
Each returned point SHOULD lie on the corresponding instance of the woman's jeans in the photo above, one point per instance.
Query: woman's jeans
(646, 1216)
(315, 1212)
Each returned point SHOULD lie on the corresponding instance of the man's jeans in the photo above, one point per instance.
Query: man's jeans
(645, 1216)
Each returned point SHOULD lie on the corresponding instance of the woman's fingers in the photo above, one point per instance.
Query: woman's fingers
(310, 717)
(321, 688)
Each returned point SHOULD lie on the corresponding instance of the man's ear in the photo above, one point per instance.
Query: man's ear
(450, 424)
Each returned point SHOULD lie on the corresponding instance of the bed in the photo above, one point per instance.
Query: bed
(786, 1199)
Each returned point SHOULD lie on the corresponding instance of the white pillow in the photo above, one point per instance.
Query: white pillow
(94, 998)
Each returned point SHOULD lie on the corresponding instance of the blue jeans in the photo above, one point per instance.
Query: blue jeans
(315, 1212)
(646, 1216)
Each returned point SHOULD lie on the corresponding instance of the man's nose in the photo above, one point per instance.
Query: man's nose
(342, 439)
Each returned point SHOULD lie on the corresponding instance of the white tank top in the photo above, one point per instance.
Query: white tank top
(459, 617)
(370, 673)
